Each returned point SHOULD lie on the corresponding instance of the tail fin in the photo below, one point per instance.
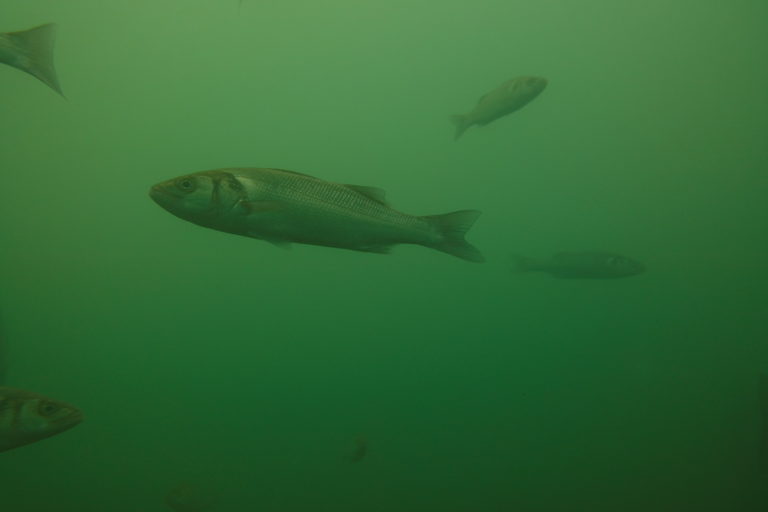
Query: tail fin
(34, 53)
(462, 123)
(521, 263)
(453, 226)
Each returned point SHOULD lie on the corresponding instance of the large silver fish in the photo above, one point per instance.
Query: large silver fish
(510, 96)
(32, 52)
(27, 417)
(581, 265)
(284, 206)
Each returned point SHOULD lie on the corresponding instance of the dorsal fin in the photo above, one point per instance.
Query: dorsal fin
(293, 172)
(376, 194)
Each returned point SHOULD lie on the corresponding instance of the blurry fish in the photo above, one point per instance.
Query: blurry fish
(32, 52)
(358, 451)
(505, 99)
(581, 265)
(764, 427)
(27, 417)
(3, 354)
(190, 497)
(284, 206)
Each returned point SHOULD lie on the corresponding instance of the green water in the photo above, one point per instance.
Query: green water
(251, 370)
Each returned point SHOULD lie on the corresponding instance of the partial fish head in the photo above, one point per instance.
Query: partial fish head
(528, 86)
(27, 417)
(203, 198)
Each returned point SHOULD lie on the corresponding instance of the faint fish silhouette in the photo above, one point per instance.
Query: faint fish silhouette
(190, 497)
(358, 451)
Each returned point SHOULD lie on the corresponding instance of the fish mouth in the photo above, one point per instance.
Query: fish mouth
(161, 192)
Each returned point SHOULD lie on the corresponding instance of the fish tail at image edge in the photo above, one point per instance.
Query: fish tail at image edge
(35, 53)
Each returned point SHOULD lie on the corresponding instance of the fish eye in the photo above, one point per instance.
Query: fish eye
(185, 184)
(48, 408)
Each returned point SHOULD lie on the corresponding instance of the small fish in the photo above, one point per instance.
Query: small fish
(191, 497)
(510, 96)
(27, 417)
(284, 206)
(581, 265)
(32, 52)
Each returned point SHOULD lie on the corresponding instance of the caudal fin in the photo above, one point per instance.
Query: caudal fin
(520, 263)
(462, 123)
(33, 53)
(453, 227)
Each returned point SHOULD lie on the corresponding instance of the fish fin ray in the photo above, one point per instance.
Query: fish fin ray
(36, 46)
(453, 226)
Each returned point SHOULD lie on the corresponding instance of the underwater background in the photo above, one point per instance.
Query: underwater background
(251, 371)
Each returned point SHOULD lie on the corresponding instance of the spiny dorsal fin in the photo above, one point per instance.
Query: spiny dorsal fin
(373, 193)
(293, 172)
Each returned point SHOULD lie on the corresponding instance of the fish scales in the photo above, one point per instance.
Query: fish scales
(282, 207)
(334, 197)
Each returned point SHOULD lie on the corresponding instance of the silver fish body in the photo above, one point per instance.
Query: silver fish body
(27, 417)
(282, 206)
(510, 96)
(31, 51)
(581, 265)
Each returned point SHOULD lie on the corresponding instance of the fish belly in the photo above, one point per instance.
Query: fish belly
(326, 227)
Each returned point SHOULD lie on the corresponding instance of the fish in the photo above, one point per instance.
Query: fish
(510, 96)
(581, 265)
(27, 417)
(3, 354)
(282, 207)
(191, 497)
(31, 51)
(763, 397)
(358, 450)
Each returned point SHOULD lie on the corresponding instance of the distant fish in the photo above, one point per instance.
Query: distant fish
(358, 450)
(763, 397)
(284, 206)
(32, 52)
(510, 96)
(3, 354)
(27, 417)
(581, 265)
(191, 497)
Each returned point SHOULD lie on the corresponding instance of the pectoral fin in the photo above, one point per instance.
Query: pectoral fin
(251, 207)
